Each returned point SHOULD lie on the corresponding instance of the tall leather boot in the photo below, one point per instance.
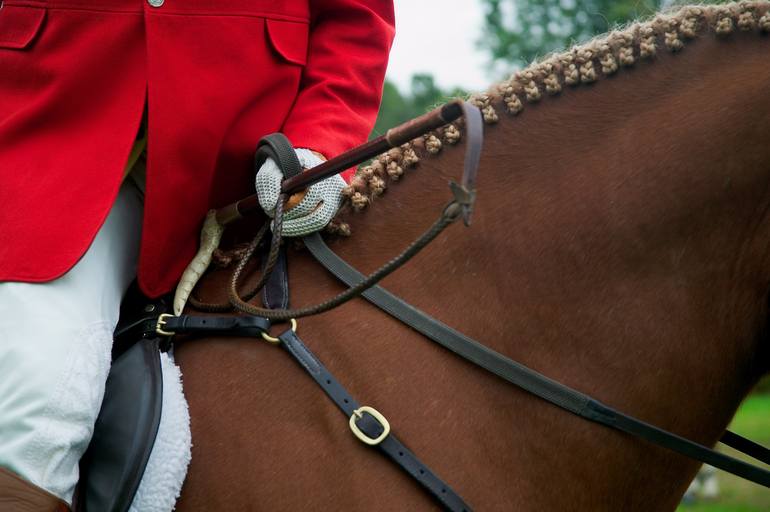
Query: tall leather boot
(18, 495)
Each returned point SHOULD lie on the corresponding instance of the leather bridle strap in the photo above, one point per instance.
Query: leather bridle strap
(368, 427)
(277, 147)
(747, 446)
(460, 206)
(367, 424)
(558, 394)
(212, 325)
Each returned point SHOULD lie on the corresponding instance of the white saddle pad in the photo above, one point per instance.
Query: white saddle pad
(167, 467)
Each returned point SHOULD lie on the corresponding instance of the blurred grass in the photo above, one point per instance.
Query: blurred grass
(736, 495)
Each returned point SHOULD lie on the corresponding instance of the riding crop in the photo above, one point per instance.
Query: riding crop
(216, 220)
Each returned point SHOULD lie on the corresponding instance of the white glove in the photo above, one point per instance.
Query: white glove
(317, 208)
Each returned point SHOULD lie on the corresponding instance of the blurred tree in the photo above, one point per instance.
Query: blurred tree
(518, 31)
(424, 94)
(515, 32)
(394, 109)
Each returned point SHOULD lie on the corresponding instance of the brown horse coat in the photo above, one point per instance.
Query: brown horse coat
(619, 245)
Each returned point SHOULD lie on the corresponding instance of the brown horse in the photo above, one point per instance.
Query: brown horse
(619, 245)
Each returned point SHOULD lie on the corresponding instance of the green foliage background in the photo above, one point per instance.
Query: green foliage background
(424, 94)
(736, 495)
(520, 31)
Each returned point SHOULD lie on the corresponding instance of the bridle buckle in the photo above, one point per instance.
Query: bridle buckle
(161, 322)
(357, 414)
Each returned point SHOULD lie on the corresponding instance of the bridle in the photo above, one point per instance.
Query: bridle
(366, 423)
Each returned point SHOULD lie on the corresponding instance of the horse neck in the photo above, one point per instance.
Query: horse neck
(619, 242)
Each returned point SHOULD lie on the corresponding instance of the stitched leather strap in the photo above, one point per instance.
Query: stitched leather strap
(277, 147)
(226, 325)
(538, 384)
(138, 319)
(371, 426)
(474, 135)
(275, 294)
(747, 446)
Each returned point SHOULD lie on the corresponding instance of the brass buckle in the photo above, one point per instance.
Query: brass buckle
(161, 323)
(276, 341)
(378, 416)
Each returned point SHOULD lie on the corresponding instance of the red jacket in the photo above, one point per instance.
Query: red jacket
(74, 76)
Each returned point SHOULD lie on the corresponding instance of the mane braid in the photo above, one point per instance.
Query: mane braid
(583, 64)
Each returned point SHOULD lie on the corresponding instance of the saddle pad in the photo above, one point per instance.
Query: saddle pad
(125, 430)
(138, 458)
(167, 467)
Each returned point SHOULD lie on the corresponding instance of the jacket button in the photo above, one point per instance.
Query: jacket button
(155, 3)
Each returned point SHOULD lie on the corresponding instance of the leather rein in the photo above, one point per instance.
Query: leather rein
(368, 424)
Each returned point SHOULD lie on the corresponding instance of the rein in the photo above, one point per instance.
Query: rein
(278, 147)
(539, 385)
(368, 424)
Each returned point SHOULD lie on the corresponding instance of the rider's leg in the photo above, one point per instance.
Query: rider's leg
(55, 341)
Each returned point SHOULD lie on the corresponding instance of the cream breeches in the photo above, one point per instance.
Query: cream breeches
(55, 342)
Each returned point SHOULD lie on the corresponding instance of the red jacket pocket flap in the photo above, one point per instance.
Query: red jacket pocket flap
(19, 25)
(289, 39)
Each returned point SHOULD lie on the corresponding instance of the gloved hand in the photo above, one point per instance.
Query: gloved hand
(315, 210)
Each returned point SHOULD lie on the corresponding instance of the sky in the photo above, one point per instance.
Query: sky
(439, 37)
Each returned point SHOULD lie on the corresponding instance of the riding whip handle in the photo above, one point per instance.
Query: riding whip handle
(394, 137)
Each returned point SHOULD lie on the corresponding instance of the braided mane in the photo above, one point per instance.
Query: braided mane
(583, 64)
